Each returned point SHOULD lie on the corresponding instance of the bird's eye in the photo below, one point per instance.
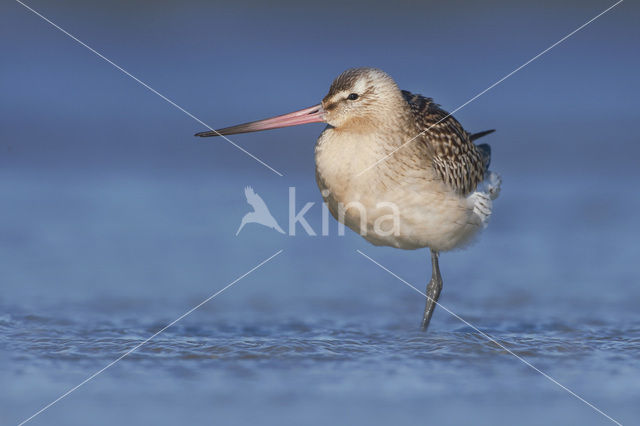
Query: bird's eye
(352, 96)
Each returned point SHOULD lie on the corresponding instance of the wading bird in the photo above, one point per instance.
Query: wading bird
(387, 150)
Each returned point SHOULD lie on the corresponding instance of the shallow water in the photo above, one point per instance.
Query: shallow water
(244, 371)
(115, 221)
(319, 334)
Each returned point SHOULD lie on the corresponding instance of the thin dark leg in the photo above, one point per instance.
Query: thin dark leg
(433, 290)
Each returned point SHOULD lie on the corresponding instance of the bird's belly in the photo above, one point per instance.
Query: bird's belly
(393, 204)
(408, 217)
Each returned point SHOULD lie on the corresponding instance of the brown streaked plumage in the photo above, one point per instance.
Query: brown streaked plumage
(456, 158)
(394, 167)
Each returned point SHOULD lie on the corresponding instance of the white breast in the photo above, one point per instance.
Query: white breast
(400, 202)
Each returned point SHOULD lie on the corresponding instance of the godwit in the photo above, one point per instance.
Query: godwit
(436, 190)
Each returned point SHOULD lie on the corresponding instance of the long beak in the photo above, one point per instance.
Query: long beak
(314, 114)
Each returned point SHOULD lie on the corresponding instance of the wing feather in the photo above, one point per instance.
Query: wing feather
(456, 159)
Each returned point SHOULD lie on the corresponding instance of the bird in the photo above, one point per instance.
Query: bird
(396, 168)
(260, 213)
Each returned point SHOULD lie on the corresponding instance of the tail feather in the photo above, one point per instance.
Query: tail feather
(478, 135)
(485, 151)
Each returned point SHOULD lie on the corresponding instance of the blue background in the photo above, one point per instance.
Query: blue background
(115, 220)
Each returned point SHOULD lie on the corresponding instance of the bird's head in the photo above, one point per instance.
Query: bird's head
(358, 98)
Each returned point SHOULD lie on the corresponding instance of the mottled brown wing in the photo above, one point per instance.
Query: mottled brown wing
(456, 158)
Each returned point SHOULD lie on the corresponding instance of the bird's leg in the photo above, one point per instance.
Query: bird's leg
(433, 290)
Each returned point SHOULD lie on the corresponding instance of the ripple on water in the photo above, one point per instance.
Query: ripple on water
(40, 338)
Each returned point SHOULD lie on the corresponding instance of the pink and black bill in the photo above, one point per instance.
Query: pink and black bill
(314, 114)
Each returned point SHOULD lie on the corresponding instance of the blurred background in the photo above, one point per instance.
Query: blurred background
(116, 220)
